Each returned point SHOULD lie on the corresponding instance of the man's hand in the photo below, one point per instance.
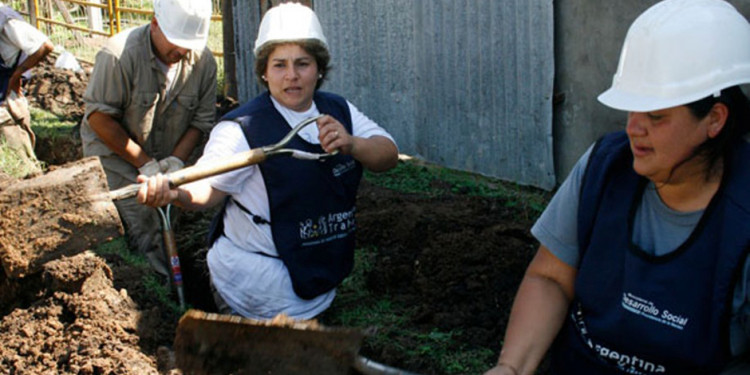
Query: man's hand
(151, 168)
(171, 164)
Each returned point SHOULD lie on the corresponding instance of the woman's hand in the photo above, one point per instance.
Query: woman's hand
(155, 191)
(333, 136)
(502, 369)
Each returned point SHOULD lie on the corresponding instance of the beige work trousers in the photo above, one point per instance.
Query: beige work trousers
(19, 137)
(143, 225)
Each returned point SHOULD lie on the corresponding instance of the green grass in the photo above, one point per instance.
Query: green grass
(119, 247)
(14, 165)
(48, 125)
(155, 285)
(429, 179)
(387, 324)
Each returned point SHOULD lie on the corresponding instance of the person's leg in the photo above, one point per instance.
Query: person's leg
(18, 140)
(143, 229)
(142, 224)
(221, 305)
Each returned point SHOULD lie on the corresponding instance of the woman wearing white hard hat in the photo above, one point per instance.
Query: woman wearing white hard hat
(643, 265)
(284, 238)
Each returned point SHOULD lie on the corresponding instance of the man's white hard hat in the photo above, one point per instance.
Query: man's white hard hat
(289, 22)
(185, 23)
(680, 51)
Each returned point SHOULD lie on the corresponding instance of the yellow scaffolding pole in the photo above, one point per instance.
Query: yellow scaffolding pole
(111, 11)
(74, 27)
(117, 13)
(87, 3)
(36, 13)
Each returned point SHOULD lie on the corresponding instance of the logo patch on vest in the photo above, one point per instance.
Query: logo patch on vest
(342, 168)
(326, 228)
(648, 309)
(628, 363)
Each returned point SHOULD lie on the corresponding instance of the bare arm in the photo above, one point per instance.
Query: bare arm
(187, 143)
(116, 138)
(197, 195)
(14, 84)
(376, 153)
(538, 313)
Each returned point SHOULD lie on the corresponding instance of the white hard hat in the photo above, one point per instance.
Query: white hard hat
(289, 22)
(185, 23)
(680, 51)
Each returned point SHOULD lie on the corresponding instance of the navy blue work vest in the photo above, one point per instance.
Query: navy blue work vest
(312, 203)
(636, 313)
(5, 74)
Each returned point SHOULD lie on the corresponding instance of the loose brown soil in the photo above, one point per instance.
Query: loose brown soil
(456, 260)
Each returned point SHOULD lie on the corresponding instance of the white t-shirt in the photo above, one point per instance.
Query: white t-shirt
(254, 285)
(19, 37)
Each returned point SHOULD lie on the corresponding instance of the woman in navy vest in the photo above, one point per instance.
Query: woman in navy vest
(284, 238)
(643, 265)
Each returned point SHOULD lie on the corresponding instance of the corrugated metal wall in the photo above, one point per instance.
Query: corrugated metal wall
(466, 84)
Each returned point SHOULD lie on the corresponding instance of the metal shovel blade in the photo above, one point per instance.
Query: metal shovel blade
(208, 343)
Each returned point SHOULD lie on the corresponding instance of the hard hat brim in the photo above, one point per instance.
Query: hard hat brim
(629, 102)
(194, 44)
(276, 42)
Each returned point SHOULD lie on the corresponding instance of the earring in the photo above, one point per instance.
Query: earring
(320, 75)
(264, 78)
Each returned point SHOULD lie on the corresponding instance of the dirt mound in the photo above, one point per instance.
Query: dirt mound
(59, 91)
(77, 323)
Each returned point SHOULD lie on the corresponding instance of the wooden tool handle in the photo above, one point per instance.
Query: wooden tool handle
(198, 172)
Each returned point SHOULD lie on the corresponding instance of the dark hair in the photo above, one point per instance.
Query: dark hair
(314, 48)
(736, 126)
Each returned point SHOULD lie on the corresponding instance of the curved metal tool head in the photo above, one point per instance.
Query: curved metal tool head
(291, 134)
(277, 149)
(304, 155)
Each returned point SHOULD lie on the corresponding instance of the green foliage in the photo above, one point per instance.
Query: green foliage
(48, 125)
(432, 180)
(45, 125)
(155, 286)
(119, 247)
(468, 361)
(15, 165)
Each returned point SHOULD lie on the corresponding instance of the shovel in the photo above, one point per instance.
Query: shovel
(243, 159)
(170, 248)
(208, 343)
